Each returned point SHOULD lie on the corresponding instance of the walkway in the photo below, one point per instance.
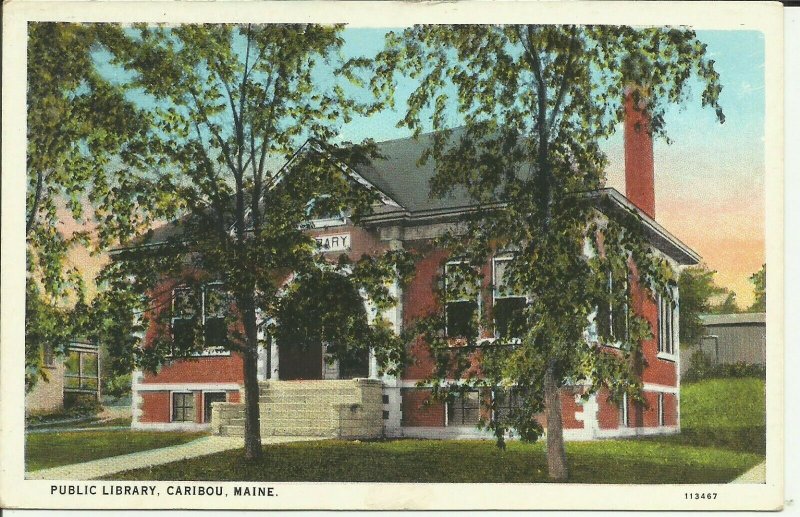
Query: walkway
(107, 466)
(757, 474)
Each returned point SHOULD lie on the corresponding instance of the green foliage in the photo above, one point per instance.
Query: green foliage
(697, 293)
(701, 368)
(46, 325)
(759, 281)
(231, 102)
(533, 103)
(82, 135)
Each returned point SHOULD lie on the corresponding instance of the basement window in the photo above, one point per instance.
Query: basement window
(183, 407)
(506, 401)
(661, 413)
(464, 410)
(462, 300)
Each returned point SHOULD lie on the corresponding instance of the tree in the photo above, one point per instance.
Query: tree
(759, 281)
(727, 306)
(229, 102)
(77, 123)
(533, 103)
(698, 292)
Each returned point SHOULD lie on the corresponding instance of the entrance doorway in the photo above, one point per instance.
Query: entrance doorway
(300, 362)
(208, 398)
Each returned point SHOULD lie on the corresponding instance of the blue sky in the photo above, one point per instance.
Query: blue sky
(709, 181)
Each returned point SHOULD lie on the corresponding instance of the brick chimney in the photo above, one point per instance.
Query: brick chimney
(639, 171)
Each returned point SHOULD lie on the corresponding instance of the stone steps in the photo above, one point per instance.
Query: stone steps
(346, 408)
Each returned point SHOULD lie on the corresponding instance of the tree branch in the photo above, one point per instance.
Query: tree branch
(36, 200)
(562, 89)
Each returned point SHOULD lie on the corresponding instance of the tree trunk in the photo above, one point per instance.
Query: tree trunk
(556, 457)
(252, 420)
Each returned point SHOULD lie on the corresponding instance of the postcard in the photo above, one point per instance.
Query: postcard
(392, 255)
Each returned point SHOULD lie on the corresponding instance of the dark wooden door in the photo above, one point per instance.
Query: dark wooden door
(299, 362)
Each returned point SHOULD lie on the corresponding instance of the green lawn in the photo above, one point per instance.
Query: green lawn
(45, 450)
(723, 423)
(723, 413)
(431, 461)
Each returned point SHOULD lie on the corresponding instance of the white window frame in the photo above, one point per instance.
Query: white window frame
(624, 420)
(210, 351)
(616, 343)
(495, 289)
(477, 294)
(661, 411)
(666, 339)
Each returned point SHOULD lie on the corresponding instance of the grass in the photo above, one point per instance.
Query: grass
(723, 436)
(432, 461)
(45, 450)
(723, 413)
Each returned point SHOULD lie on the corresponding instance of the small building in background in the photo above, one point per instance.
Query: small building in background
(71, 379)
(732, 338)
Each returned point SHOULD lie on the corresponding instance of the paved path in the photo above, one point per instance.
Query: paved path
(757, 474)
(51, 430)
(107, 466)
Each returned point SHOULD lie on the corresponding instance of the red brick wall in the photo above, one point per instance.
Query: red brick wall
(416, 413)
(419, 301)
(650, 410)
(568, 409)
(670, 409)
(234, 396)
(197, 370)
(607, 411)
(658, 371)
(155, 406)
(201, 370)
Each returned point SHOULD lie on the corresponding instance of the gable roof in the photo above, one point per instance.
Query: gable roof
(398, 173)
(403, 186)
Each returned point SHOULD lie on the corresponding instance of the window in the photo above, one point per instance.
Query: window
(81, 371)
(666, 319)
(210, 309)
(184, 310)
(183, 407)
(623, 411)
(215, 305)
(462, 300)
(506, 401)
(208, 398)
(464, 410)
(508, 305)
(661, 418)
(612, 316)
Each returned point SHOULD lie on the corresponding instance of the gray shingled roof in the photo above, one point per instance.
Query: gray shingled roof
(398, 175)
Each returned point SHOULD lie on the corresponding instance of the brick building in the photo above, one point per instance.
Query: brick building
(302, 393)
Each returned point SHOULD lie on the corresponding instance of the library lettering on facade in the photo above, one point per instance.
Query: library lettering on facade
(302, 393)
